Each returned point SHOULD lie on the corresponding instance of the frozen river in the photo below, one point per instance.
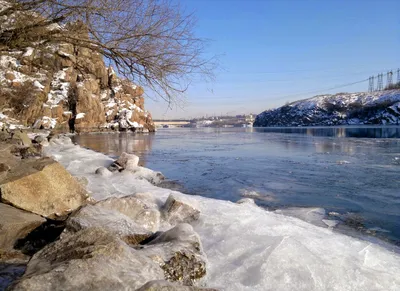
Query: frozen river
(352, 173)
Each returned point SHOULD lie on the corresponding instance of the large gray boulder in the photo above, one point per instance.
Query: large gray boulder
(128, 161)
(110, 220)
(177, 210)
(137, 210)
(96, 259)
(91, 259)
(16, 224)
(43, 187)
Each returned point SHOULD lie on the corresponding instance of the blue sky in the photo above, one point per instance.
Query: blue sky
(275, 51)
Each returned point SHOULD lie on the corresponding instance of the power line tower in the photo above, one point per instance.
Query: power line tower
(398, 75)
(380, 82)
(371, 86)
(389, 78)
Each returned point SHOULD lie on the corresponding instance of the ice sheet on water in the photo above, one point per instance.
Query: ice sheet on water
(249, 248)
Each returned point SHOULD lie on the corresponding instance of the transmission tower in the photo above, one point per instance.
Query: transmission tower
(371, 86)
(398, 75)
(389, 79)
(380, 82)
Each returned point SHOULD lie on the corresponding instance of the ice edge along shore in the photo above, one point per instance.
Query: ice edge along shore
(249, 248)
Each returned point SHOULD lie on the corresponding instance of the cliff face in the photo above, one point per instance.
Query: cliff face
(62, 86)
(340, 109)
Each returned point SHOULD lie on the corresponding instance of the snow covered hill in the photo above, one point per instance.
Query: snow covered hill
(381, 107)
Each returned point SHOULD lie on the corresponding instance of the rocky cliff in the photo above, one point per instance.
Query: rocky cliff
(61, 86)
(341, 109)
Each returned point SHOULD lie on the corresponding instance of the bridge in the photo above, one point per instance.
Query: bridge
(177, 123)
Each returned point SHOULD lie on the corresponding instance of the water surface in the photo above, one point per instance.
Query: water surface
(351, 172)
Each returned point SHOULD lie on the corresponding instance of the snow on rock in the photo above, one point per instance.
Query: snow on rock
(111, 220)
(91, 259)
(59, 89)
(80, 115)
(249, 248)
(144, 214)
(28, 52)
(8, 62)
(339, 109)
(37, 84)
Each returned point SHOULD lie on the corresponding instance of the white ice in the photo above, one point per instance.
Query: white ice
(249, 248)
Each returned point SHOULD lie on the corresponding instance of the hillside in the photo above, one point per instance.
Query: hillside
(62, 86)
(381, 107)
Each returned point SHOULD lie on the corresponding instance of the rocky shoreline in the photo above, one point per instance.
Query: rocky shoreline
(55, 236)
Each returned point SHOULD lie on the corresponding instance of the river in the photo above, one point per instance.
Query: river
(350, 172)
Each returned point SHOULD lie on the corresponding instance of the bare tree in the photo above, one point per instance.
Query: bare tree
(151, 42)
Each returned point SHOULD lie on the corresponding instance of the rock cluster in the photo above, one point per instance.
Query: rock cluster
(67, 87)
(120, 243)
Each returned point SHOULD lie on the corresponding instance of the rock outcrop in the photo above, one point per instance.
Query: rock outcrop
(42, 186)
(381, 107)
(67, 87)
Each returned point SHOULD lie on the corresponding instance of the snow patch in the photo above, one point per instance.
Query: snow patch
(80, 115)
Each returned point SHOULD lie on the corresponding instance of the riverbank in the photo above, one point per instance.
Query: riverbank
(247, 247)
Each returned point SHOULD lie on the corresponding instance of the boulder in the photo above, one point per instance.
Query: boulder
(144, 173)
(43, 187)
(128, 161)
(162, 285)
(179, 253)
(110, 220)
(16, 224)
(35, 150)
(91, 259)
(175, 210)
(21, 138)
(141, 213)
(102, 171)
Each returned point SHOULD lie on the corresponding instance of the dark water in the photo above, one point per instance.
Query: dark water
(351, 172)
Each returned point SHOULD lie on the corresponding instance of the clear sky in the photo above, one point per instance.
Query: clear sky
(275, 51)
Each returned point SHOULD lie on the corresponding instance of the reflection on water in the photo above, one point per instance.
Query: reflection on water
(114, 144)
(365, 132)
(342, 169)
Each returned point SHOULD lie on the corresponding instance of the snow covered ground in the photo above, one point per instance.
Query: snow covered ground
(249, 248)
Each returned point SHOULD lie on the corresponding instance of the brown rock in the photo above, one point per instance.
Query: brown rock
(16, 224)
(9, 76)
(22, 138)
(43, 187)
